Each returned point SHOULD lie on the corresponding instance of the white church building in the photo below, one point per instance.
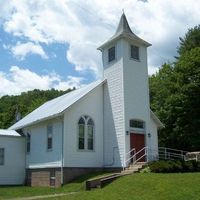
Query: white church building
(94, 127)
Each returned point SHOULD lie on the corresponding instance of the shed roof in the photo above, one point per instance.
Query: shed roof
(5, 132)
(55, 107)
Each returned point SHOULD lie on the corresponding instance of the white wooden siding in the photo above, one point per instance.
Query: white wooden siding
(91, 105)
(136, 89)
(114, 132)
(153, 140)
(39, 156)
(13, 170)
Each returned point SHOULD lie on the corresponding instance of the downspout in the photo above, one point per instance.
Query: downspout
(103, 124)
(25, 160)
(21, 132)
(62, 154)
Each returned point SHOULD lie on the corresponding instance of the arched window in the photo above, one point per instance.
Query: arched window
(81, 140)
(85, 133)
(90, 134)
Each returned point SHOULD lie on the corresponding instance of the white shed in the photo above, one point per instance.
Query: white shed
(12, 158)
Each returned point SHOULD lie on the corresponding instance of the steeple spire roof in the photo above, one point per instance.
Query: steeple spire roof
(124, 31)
(123, 26)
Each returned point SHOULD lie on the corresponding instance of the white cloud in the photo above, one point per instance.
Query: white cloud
(20, 80)
(86, 24)
(21, 50)
(70, 83)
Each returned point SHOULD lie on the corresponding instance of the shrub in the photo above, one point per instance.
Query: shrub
(188, 166)
(160, 167)
(169, 166)
(145, 170)
(176, 166)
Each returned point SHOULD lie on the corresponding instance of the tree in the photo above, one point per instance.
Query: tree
(175, 95)
(187, 73)
(190, 41)
(24, 103)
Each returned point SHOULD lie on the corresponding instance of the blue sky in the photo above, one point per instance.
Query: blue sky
(56, 62)
(52, 44)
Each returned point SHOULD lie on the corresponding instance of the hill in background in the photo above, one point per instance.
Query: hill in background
(24, 104)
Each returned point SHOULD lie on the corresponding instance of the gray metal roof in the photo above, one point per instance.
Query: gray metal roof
(123, 26)
(55, 107)
(5, 132)
(124, 30)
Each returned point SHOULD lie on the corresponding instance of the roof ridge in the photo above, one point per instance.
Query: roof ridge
(71, 92)
(56, 106)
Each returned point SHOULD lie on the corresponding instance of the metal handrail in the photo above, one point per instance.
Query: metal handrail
(169, 153)
(193, 157)
(128, 153)
(134, 155)
(173, 149)
(172, 155)
(145, 149)
(162, 152)
(132, 150)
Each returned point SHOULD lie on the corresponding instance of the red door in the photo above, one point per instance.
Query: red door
(138, 142)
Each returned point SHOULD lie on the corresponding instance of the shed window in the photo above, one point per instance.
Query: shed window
(28, 143)
(136, 124)
(2, 152)
(85, 133)
(49, 136)
(111, 54)
(135, 52)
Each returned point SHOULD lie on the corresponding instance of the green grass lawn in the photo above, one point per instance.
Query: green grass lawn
(177, 186)
(25, 191)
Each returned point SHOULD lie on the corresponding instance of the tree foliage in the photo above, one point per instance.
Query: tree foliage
(190, 41)
(24, 104)
(175, 95)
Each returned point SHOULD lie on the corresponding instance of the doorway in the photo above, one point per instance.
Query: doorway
(137, 141)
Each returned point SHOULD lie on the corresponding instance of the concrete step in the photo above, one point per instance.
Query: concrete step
(134, 167)
(139, 164)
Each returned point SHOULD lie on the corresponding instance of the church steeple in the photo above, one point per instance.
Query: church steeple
(125, 94)
(123, 26)
(124, 31)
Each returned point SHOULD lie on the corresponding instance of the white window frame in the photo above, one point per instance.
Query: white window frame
(49, 136)
(2, 156)
(92, 138)
(83, 138)
(132, 45)
(114, 46)
(28, 143)
(136, 129)
(86, 118)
